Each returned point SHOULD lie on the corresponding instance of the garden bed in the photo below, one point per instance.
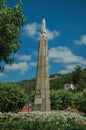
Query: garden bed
(53, 120)
(44, 116)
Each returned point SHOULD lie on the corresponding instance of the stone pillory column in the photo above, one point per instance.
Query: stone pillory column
(42, 96)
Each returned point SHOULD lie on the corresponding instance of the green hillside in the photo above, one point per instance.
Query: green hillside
(60, 98)
(57, 81)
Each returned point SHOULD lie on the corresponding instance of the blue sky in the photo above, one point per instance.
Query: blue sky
(66, 30)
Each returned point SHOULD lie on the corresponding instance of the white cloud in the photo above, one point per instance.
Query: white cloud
(65, 55)
(82, 40)
(33, 31)
(52, 34)
(33, 64)
(67, 59)
(2, 75)
(22, 67)
(68, 68)
(23, 57)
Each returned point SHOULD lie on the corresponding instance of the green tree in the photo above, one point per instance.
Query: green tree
(80, 101)
(76, 75)
(61, 99)
(60, 81)
(31, 96)
(57, 83)
(12, 97)
(79, 78)
(84, 101)
(67, 78)
(11, 22)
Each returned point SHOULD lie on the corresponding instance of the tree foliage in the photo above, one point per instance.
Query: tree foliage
(61, 99)
(80, 101)
(29, 85)
(12, 97)
(11, 21)
(77, 77)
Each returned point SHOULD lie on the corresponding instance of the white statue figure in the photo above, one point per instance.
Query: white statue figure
(43, 27)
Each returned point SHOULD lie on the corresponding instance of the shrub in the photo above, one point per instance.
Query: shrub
(12, 97)
(84, 101)
(80, 101)
(61, 99)
(78, 97)
(38, 125)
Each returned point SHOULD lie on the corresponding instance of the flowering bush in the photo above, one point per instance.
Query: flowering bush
(54, 120)
(44, 116)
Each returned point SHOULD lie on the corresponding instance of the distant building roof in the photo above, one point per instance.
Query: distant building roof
(69, 86)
